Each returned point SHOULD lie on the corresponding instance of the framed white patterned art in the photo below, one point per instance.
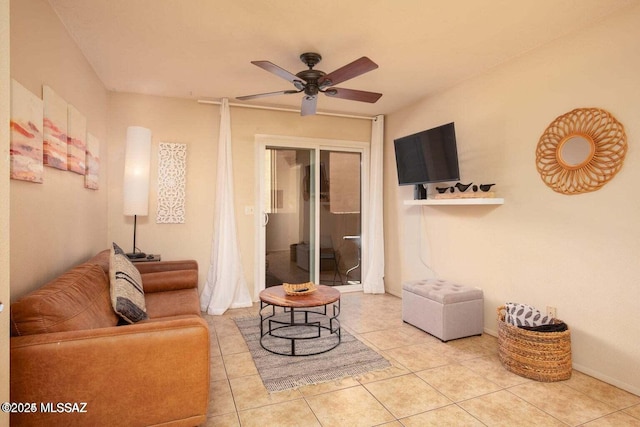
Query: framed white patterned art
(172, 177)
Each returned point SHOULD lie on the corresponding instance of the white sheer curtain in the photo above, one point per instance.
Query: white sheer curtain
(373, 267)
(226, 286)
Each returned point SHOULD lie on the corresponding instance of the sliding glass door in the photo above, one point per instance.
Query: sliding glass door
(289, 215)
(310, 222)
(340, 217)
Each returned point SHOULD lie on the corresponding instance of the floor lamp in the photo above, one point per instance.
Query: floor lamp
(137, 159)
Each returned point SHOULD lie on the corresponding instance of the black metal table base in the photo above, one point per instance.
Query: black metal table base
(286, 327)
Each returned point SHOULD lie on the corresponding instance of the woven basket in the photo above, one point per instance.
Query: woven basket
(541, 356)
(297, 289)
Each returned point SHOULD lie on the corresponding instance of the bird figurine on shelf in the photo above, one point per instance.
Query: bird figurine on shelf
(483, 187)
(462, 187)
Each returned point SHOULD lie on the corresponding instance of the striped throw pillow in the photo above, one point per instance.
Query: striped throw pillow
(127, 294)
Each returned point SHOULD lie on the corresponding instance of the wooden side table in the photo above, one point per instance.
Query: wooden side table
(148, 258)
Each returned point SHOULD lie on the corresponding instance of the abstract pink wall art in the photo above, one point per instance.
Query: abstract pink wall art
(26, 134)
(76, 140)
(55, 129)
(91, 178)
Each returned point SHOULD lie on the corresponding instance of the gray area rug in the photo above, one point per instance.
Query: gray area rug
(278, 373)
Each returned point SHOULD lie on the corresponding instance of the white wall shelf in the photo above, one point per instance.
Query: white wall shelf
(468, 201)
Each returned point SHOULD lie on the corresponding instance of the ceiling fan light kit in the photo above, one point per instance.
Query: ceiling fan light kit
(312, 81)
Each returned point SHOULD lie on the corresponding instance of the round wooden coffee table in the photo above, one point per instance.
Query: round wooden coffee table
(304, 318)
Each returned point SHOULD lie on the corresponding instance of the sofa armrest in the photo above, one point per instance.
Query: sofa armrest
(160, 266)
(164, 276)
(143, 374)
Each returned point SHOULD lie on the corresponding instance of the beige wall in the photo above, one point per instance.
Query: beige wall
(58, 223)
(197, 125)
(577, 253)
(4, 206)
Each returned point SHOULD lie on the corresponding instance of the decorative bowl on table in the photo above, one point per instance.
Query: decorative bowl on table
(297, 289)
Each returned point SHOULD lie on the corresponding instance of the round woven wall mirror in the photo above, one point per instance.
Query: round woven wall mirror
(575, 151)
(581, 151)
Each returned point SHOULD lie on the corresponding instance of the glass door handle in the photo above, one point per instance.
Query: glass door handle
(266, 219)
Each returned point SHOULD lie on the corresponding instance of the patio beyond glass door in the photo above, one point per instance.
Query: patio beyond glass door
(311, 222)
(340, 217)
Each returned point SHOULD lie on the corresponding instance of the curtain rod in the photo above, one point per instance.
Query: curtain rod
(289, 110)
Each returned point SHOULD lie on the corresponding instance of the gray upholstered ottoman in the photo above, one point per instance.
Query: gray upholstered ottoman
(443, 309)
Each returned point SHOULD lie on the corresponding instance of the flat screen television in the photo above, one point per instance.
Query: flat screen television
(428, 156)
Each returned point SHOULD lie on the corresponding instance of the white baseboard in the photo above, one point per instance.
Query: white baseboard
(491, 332)
(602, 377)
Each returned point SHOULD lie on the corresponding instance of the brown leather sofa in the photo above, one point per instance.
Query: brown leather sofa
(71, 364)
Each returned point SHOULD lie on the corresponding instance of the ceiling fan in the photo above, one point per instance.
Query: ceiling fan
(312, 82)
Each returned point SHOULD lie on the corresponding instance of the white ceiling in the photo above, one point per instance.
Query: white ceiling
(201, 49)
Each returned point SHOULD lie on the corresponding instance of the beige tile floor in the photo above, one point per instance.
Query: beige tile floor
(430, 383)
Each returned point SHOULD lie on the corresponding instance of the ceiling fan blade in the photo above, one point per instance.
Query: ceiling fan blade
(349, 71)
(262, 95)
(354, 95)
(309, 105)
(274, 69)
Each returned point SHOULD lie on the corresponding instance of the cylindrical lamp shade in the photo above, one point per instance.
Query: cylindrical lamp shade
(136, 171)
